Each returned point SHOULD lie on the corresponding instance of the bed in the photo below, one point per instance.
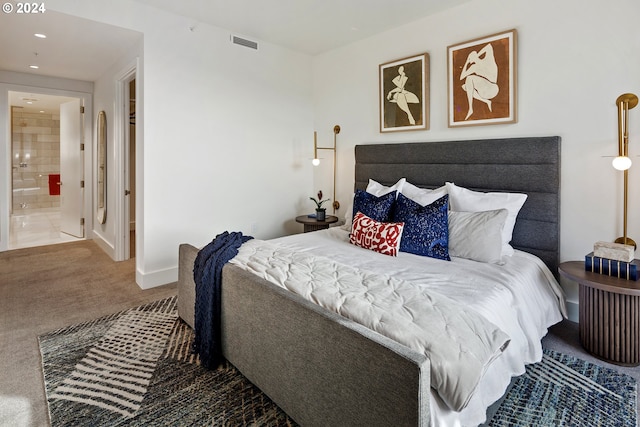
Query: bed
(325, 368)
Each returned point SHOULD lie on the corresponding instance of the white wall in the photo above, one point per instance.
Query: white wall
(105, 99)
(573, 62)
(225, 139)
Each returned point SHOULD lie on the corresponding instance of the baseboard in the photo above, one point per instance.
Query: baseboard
(104, 245)
(573, 311)
(156, 278)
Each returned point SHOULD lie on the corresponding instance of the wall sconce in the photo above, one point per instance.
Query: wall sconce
(625, 102)
(316, 160)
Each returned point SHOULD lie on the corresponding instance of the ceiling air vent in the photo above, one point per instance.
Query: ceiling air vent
(244, 42)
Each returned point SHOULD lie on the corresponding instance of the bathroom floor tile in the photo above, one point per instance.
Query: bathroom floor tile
(37, 227)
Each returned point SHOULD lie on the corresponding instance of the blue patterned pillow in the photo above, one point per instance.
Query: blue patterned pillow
(426, 228)
(377, 208)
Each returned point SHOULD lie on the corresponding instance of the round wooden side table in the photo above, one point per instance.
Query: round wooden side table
(312, 224)
(609, 314)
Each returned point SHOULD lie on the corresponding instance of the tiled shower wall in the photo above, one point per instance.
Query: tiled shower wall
(36, 155)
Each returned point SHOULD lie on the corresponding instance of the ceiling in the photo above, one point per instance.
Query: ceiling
(81, 49)
(308, 26)
(74, 48)
(37, 102)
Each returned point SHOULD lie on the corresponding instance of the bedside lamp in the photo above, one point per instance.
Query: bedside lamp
(625, 102)
(316, 160)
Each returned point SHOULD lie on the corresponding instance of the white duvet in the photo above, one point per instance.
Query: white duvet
(521, 298)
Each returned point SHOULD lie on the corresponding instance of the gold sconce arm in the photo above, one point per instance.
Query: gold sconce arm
(316, 160)
(625, 102)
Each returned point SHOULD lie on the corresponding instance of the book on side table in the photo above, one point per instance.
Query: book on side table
(611, 267)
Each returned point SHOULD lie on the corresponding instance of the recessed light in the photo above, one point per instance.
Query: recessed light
(35, 67)
(40, 35)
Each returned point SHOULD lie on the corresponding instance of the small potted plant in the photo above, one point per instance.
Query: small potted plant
(320, 211)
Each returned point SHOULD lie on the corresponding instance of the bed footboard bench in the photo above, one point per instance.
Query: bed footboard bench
(320, 368)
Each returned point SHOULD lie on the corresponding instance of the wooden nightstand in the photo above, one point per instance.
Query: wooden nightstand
(312, 224)
(609, 314)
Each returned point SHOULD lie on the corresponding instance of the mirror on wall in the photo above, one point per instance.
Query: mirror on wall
(102, 167)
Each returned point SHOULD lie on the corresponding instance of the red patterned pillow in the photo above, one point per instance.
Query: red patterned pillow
(383, 237)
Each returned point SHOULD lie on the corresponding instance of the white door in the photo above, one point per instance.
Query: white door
(71, 169)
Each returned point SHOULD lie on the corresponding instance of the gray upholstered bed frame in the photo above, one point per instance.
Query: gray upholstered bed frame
(323, 369)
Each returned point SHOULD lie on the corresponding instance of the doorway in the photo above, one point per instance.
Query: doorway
(127, 120)
(130, 191)
(36, 202)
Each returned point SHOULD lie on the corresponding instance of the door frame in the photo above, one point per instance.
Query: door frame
(86, 99)
(122, 169)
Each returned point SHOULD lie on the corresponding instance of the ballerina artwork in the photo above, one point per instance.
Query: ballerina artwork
(404, 92)
(401, 96)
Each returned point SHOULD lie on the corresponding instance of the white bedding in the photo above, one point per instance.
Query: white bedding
(521, 297)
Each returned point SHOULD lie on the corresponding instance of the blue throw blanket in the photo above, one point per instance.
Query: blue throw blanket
(207, 273)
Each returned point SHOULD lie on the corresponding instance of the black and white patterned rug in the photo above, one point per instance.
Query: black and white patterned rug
(563, 390)
(135, 368)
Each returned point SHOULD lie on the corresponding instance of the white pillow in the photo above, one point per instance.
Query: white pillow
(477, 235)
(378, 189)
(465, 200)
(423, 196)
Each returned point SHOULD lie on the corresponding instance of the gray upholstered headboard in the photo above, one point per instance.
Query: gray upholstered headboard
(522, 165)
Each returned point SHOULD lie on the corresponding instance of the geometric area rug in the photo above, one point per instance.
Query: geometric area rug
(563, 390)
(136, 368)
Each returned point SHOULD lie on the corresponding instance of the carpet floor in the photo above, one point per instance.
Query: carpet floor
(49, 287)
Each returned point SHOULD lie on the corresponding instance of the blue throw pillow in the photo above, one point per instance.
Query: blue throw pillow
(377, 208)
(426, 228)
